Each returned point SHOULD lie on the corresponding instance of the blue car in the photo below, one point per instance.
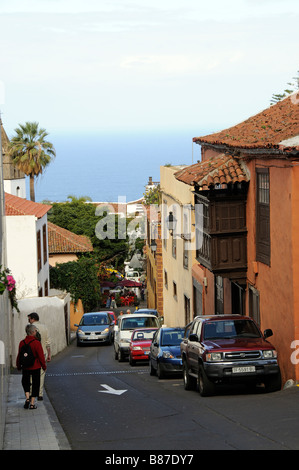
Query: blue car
(165, 353)
(150, 311)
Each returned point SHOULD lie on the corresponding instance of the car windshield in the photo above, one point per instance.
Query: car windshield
(231, 329)
(139, 322)
(172, 338)
(141, 335)
(94, 320)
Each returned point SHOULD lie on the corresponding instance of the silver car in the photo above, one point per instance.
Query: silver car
(95, 327)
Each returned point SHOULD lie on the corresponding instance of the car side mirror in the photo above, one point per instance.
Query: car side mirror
(115, 328)
(75, 324)
(193, 337)
(268, 333)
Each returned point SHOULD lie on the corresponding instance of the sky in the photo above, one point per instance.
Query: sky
(128, 65)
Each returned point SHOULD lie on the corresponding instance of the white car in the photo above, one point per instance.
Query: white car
(133, 276)
(123, 331)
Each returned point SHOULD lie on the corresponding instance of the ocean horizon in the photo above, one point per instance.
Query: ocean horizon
(106, 166)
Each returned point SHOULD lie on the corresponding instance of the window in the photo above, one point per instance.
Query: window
(174, 290)
(46, 288)
(165, 279)
(186, 236)
(187, 309)
(39, 251)
(45, 247)
(263, 215)
(219, 295)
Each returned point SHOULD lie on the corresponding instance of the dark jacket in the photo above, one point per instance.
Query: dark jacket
(37, 350)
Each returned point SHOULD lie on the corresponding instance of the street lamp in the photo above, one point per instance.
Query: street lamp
(171, 223)
(153, 246)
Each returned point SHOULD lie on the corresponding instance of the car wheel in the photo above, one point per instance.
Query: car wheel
(120, 355)
(109, 340)
(205, 386)
(131, 361)
(273, 384)
(152, 370)
(115, 354)
(160, 373)
(78, 343)
(189, 382)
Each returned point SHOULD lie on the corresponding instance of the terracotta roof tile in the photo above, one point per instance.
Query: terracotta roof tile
(223, 169)
(267, 129)
(61, 240)
(15, 205)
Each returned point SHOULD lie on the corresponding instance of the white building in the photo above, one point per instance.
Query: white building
(27, 245)
(13, 179)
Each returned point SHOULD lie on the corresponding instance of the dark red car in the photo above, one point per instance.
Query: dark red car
(141, 341)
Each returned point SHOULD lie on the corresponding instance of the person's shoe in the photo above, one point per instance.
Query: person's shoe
(26, 404)
(32, 407)
(40, 398)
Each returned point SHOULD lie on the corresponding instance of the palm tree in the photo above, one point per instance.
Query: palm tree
(30, 152)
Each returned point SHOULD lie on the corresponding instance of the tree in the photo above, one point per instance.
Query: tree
(30, 152)
(79, 217)
(280, 96)
(152, 196)
(80, 279)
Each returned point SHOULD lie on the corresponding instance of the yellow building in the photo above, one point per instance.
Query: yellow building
(178, 247)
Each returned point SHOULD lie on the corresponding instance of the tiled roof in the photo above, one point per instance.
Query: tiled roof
(61, 240)
(267, 129)
(15, 205)
(223, 169)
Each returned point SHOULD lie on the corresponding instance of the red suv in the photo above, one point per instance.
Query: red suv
(228, 348)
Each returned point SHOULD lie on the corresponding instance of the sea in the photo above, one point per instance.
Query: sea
(104, 166)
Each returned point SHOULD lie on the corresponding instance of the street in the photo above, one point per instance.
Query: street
(106, 405)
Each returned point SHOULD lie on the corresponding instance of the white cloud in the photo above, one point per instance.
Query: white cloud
(144, 63)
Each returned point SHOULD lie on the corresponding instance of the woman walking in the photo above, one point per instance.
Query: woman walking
(31, 373)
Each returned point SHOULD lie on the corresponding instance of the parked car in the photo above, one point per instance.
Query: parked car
(123, 331)
(113, 317)
(165, 352)
(228, 349)
(133, 276)
(151, 311)
(95, 327)
(141, 340)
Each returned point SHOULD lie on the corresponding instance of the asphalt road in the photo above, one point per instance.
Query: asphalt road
(106, 405)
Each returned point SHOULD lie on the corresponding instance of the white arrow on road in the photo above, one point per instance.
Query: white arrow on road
(111, 390)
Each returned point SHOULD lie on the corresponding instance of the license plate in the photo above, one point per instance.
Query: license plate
(237, 370)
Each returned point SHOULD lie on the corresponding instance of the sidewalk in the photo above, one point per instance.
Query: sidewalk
(34, 429)
(31, 429)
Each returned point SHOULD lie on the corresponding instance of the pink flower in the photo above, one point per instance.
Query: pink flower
(10, 283)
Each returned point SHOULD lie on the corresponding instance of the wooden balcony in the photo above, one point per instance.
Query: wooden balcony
(221, 232)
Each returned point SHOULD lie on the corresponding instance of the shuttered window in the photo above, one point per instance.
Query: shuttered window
(45, 246)
(263, 216)
(39, 251)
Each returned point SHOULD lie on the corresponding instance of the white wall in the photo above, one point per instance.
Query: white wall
(22, 253)
(16, 187)
(51, 313)
(43, 274)
(21, 233)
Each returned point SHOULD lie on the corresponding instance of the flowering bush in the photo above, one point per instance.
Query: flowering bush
(7, 282)
(127, 300)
